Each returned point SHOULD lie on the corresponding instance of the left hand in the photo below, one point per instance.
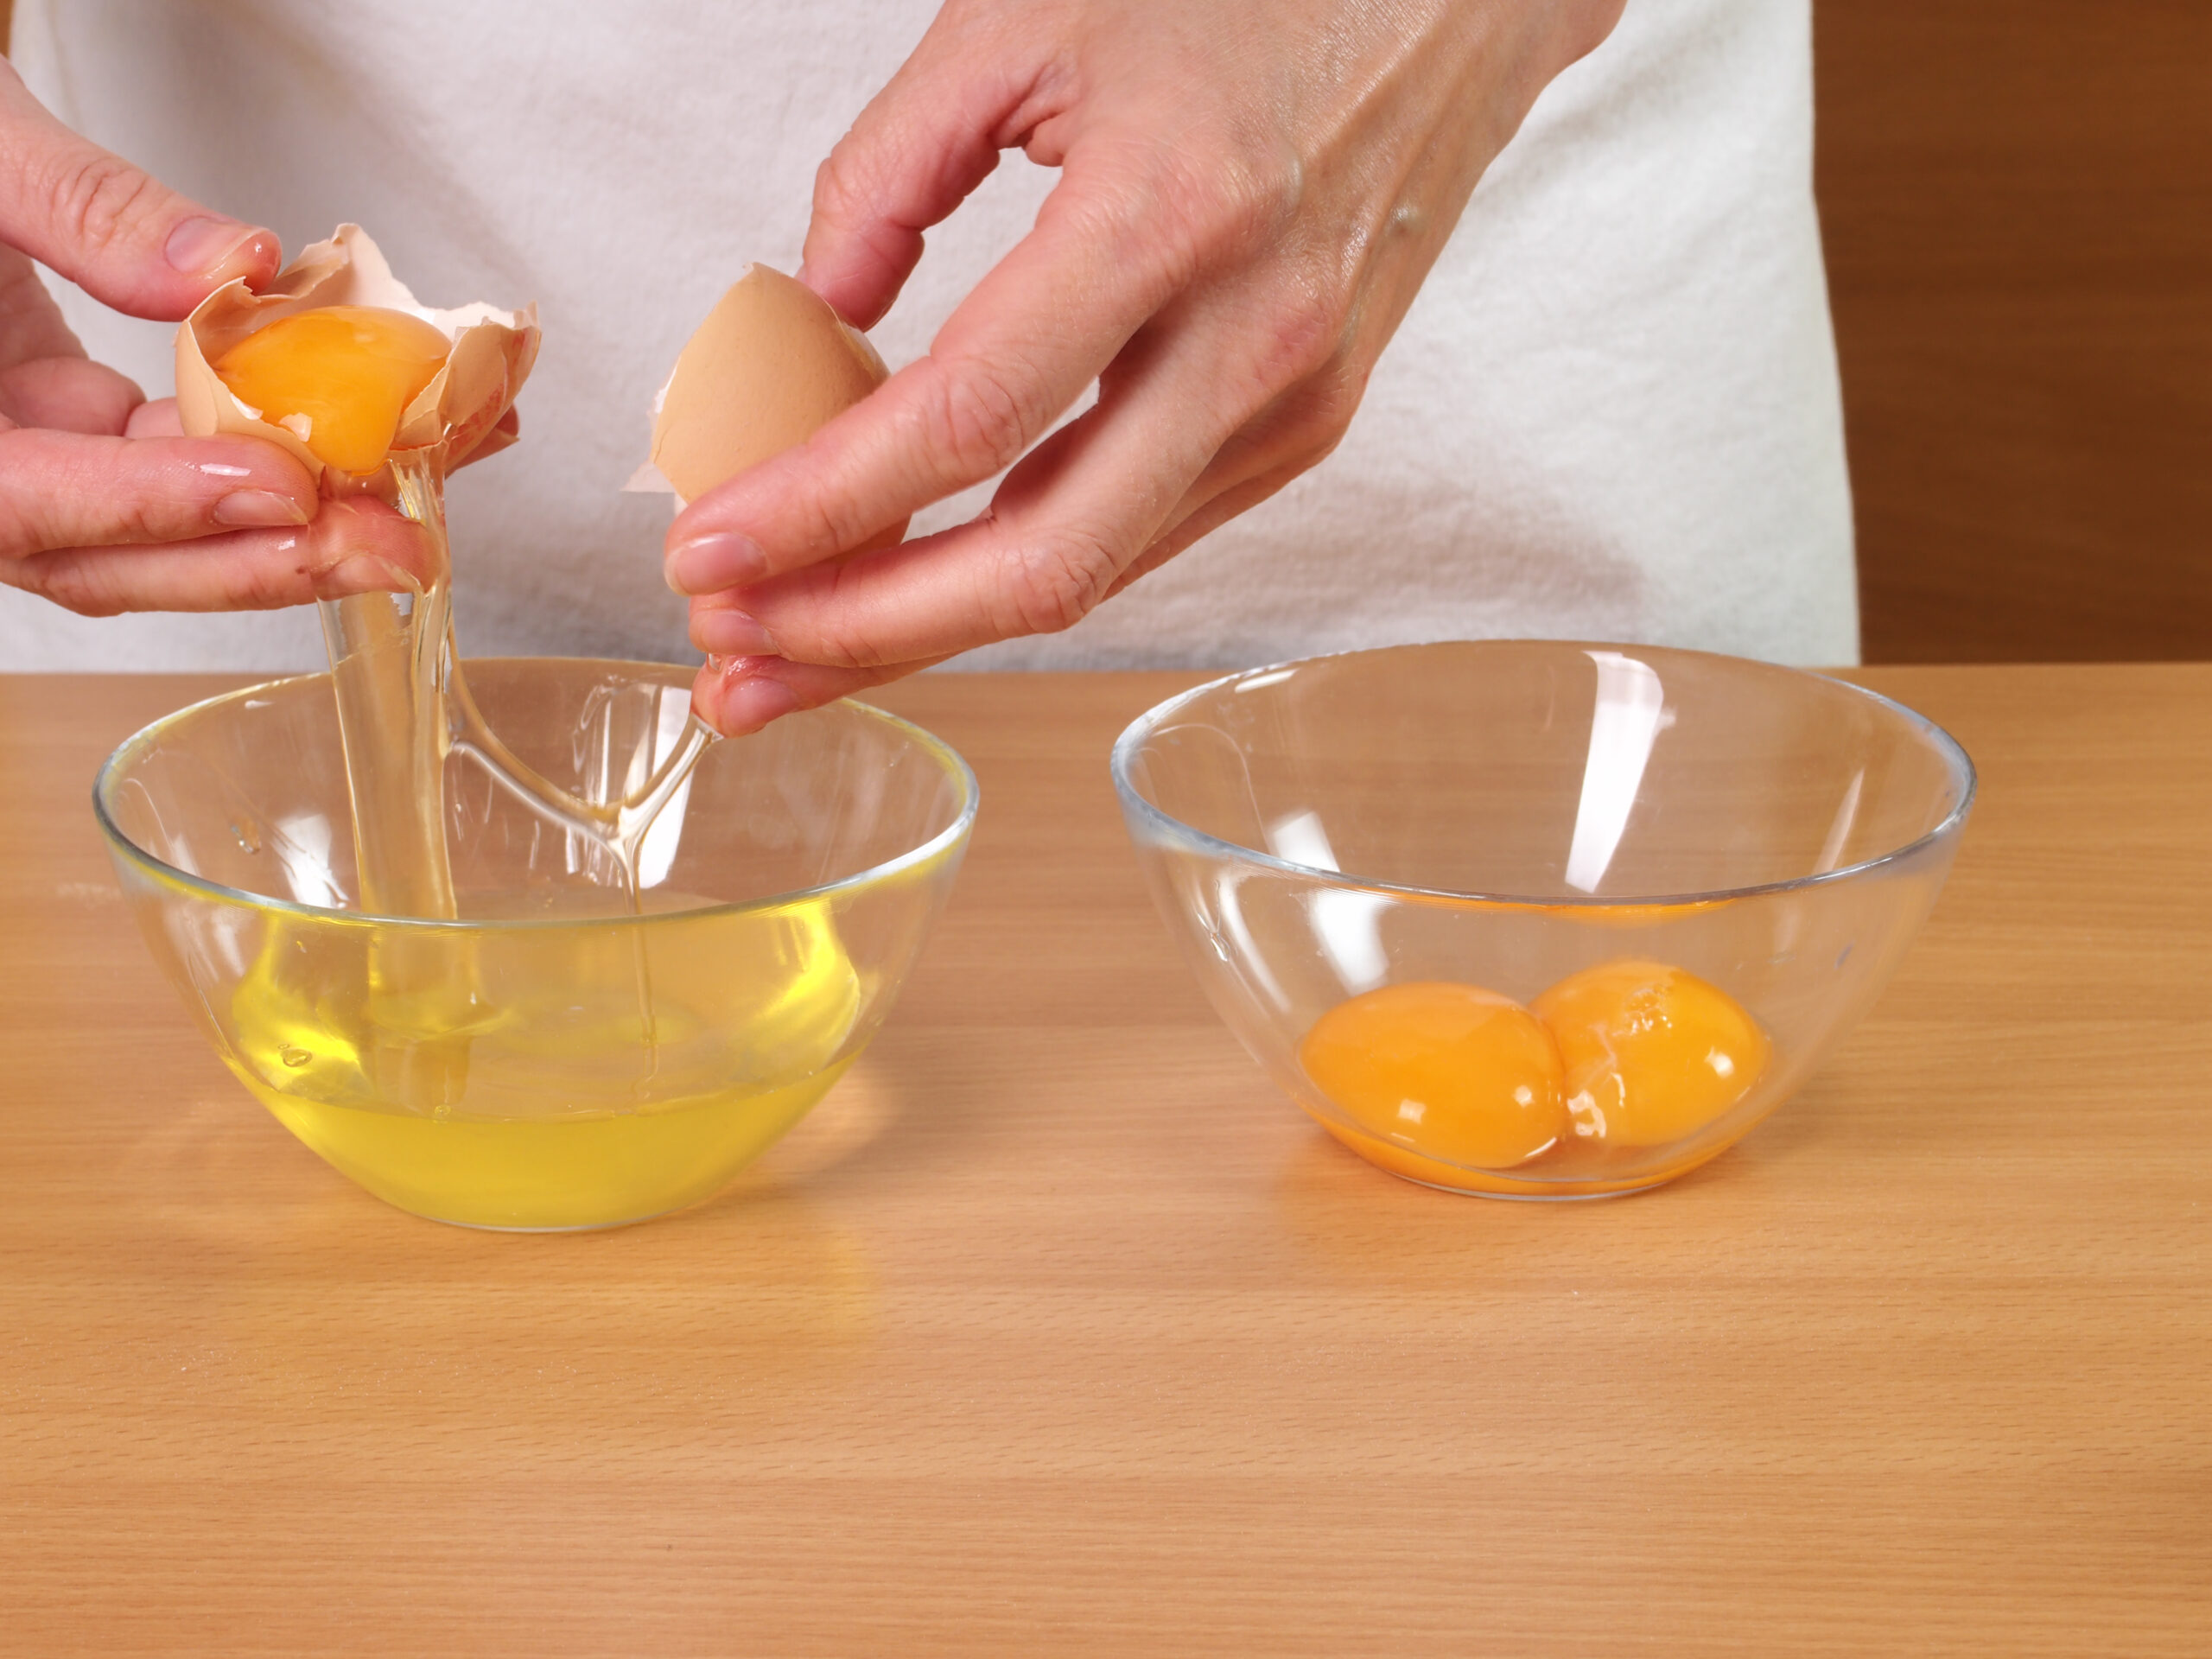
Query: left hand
(1251, 192)
(105, 504)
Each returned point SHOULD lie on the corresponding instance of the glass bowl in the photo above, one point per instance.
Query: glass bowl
(553, 1059)
(1540, 919)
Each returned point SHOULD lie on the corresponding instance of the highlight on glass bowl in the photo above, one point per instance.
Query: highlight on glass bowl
(560, 1055)
(1540, 919)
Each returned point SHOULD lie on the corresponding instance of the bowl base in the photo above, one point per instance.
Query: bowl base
(1530, 1197)
(1484, 1184)
(571, 1227)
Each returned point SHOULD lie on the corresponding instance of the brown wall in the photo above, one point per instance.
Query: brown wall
(2017, 199)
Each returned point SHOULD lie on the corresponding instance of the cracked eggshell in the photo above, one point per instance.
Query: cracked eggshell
(493, 351)
(770, 366)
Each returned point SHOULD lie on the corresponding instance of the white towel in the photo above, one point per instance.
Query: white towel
(1611, 413)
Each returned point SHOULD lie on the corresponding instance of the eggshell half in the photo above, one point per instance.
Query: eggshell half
(770, 366)
(493, 351)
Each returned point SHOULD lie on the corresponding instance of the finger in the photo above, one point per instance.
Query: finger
(739, 695)
(30, 323)
(155, 420)
(62, 489)
(1062, 528)
(1032, 337)
(1291, 436)
(128, 240)
(922, 144)
(69, 394)
(1208, 516)
(353, 547)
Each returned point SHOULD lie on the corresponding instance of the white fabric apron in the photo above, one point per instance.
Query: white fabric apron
(1612, 412)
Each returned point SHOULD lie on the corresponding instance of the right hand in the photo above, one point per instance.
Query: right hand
(104, 506)
(1251, 192)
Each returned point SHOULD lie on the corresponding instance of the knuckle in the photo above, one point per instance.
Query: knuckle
(1336, 395)
(76, 584)
(840, 196)
(135, 521)
(1252, 197)
(823, 522)
(1309, 339)
(1304, 373)
(96, 197)
(257, 570)
(1053, 582)
(1313, 447)
(1239, 200)
(265, 585)
(58, 517)
(1213, 200)
(20, 542)
(825, 621)
(841, 637)
(1327, 402)
(1305, 428)
(980, 419)
(43, 487)
(1312, 307)
(1588, 24)
(840, 645)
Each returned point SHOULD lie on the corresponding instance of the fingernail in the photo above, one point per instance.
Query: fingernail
(365, 573)
(213, 247)
(731, 633)
(748, 705)
(708, 564)
(260, 509)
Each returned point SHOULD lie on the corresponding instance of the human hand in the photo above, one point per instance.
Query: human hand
(1251, 192)
(104, 506)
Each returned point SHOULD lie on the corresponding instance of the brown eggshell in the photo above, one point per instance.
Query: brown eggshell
(770, 366)
(493, 351)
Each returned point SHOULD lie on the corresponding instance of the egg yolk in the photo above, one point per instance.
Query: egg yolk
(1453, 1072)
(340, 377)
(1653, 1053)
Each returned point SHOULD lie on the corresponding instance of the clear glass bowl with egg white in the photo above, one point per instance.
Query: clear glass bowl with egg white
(513, 943)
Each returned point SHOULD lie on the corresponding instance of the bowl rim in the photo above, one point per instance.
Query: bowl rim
(946, 842)
(1137, 810)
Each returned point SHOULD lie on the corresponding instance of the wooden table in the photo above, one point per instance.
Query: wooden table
(1057, 1331)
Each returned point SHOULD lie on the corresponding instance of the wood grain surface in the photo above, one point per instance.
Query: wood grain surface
(1057, 1331)
(2016, 197)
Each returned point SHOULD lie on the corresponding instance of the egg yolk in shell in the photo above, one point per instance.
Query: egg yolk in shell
(1452, 1072)
(1653, 1053)
(340, 377)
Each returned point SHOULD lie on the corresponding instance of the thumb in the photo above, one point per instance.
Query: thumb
(120, 235)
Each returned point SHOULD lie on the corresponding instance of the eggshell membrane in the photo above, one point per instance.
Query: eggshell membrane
(493, 351)
(769, 367)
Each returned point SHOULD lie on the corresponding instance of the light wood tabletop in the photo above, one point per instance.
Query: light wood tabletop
(1056, 1330)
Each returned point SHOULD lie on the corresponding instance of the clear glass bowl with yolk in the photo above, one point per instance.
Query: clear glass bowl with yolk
(1540, 919)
